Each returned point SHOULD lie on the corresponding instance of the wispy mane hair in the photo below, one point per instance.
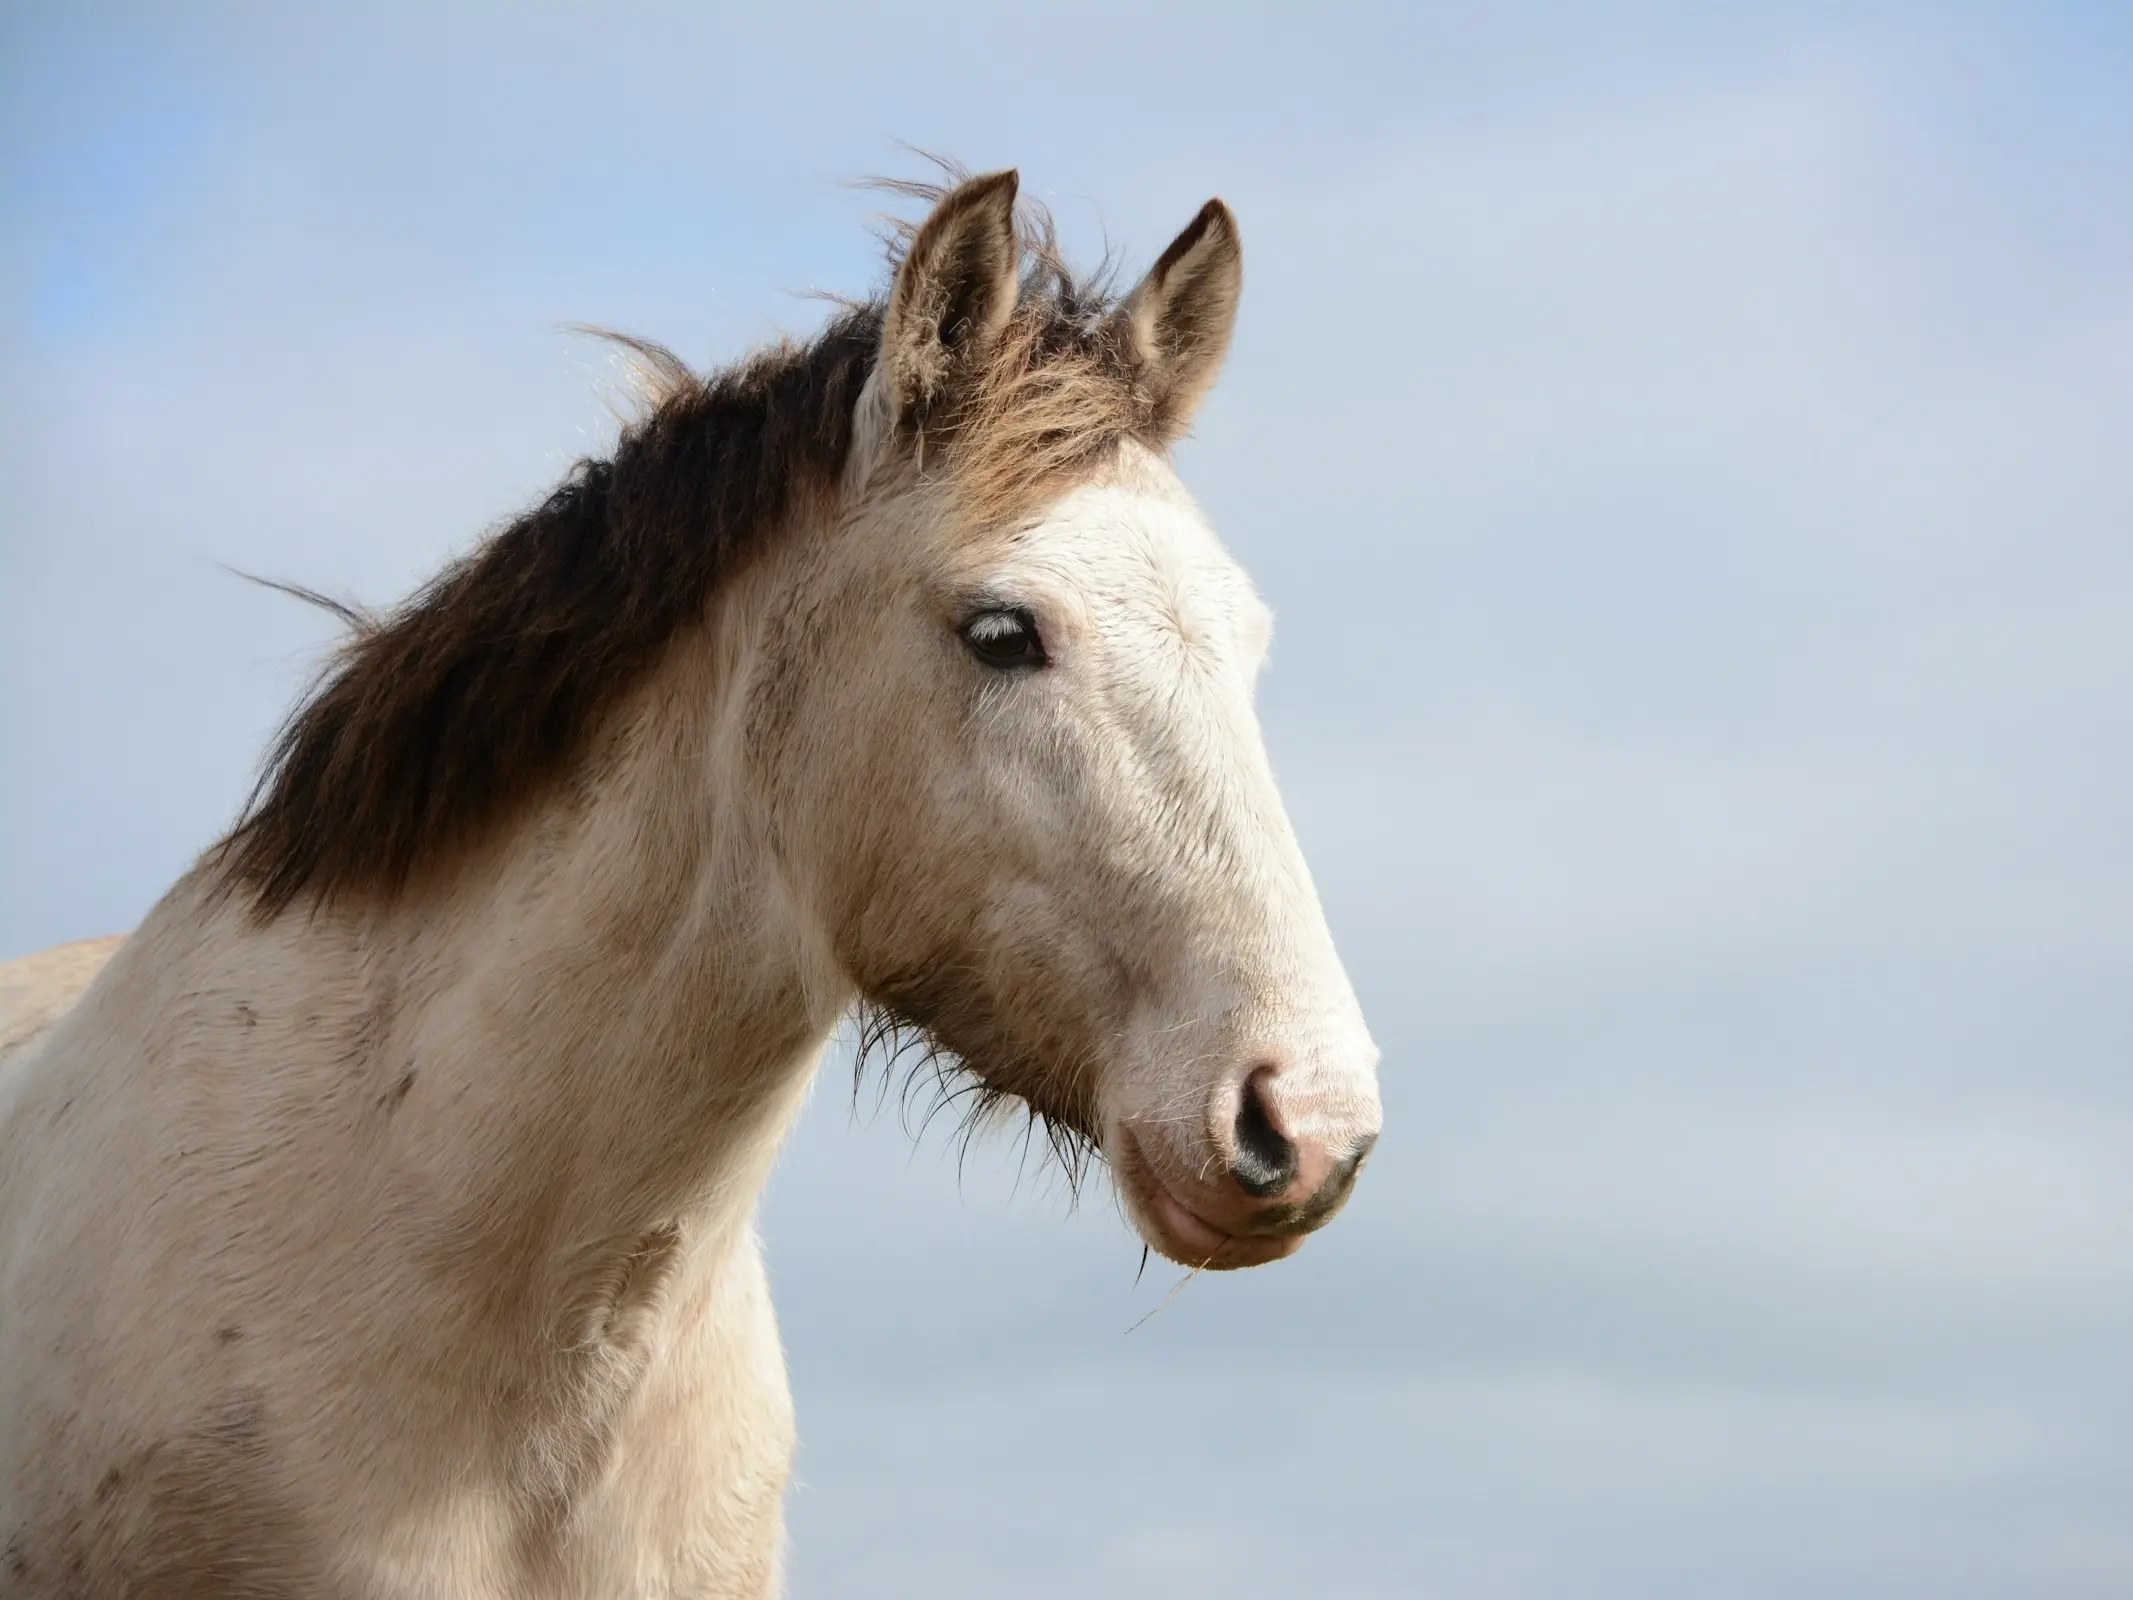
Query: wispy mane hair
(435, 719)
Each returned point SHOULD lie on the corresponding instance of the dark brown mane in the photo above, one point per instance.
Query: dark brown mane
(484, 685)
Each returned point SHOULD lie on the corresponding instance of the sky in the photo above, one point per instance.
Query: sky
(1686, 453)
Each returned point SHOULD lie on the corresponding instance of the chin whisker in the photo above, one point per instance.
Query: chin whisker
(927, 1080)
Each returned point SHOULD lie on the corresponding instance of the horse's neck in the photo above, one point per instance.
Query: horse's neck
(600, 1026)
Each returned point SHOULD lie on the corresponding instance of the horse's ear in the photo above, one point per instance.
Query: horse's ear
(1176, 324)
(955, 289)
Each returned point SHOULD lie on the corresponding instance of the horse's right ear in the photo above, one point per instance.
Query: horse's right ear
(1177, 322)
(954, 291)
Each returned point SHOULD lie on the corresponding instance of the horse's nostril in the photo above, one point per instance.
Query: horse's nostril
(1266, 1161)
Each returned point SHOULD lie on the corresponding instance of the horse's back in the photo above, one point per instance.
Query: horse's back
(36, 991)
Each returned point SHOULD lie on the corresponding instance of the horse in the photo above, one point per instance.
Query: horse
(378, 1218)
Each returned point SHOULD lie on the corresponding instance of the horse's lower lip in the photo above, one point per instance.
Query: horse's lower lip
(1192, 1240)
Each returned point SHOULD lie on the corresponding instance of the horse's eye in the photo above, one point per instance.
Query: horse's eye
(1005, 639)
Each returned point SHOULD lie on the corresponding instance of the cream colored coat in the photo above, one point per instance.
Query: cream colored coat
(404, 1245)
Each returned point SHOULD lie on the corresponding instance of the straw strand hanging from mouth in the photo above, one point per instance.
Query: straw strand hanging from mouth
(1165, 1301)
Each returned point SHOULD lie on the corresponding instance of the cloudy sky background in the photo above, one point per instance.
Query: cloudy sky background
(1689, 459)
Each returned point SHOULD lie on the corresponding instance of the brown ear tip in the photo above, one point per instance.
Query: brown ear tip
(1004, 184)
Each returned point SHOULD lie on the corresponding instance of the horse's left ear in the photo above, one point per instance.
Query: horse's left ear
(1176, 324)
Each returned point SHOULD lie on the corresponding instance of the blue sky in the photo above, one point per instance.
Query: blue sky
(1686, 456)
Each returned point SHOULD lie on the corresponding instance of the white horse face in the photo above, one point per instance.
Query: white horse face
(1046, 832)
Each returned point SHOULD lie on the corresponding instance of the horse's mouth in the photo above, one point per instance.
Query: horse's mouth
(1174, 1229)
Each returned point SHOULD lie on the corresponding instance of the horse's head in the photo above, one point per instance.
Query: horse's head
(1015, 761)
